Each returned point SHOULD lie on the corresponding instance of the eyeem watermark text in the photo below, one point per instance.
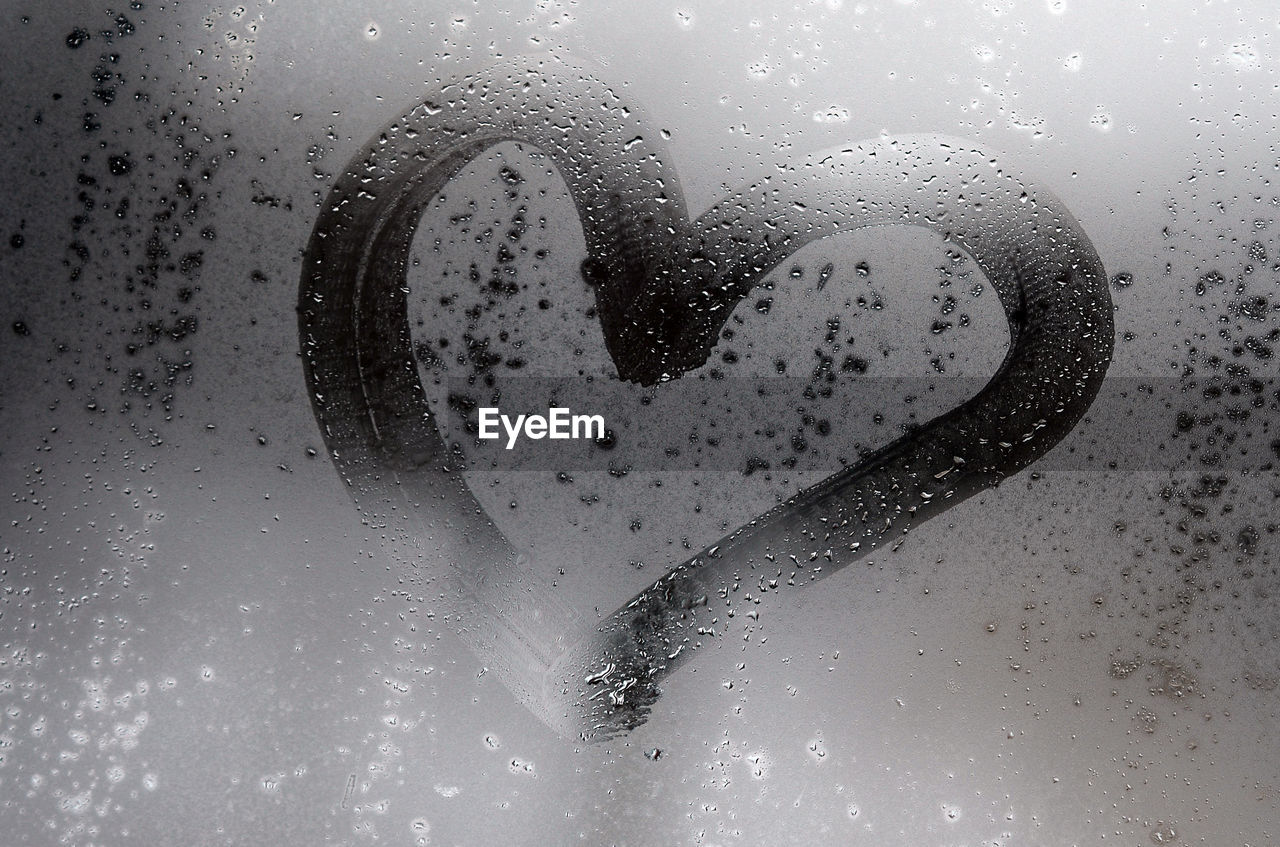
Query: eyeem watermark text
(559, 422)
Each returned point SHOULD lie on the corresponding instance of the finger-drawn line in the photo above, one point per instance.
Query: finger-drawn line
(664, 286)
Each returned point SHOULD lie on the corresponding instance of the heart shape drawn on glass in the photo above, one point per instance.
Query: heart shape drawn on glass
(664, 286)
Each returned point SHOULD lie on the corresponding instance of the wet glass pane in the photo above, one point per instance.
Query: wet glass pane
(561, 423)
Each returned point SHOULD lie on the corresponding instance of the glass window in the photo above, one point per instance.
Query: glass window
(566, 423)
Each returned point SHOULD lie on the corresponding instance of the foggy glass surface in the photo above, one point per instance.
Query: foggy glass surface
(204, 641)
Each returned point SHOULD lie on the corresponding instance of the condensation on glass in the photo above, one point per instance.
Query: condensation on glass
(263, 581)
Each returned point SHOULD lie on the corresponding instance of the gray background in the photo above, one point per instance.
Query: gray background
(201, 644)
